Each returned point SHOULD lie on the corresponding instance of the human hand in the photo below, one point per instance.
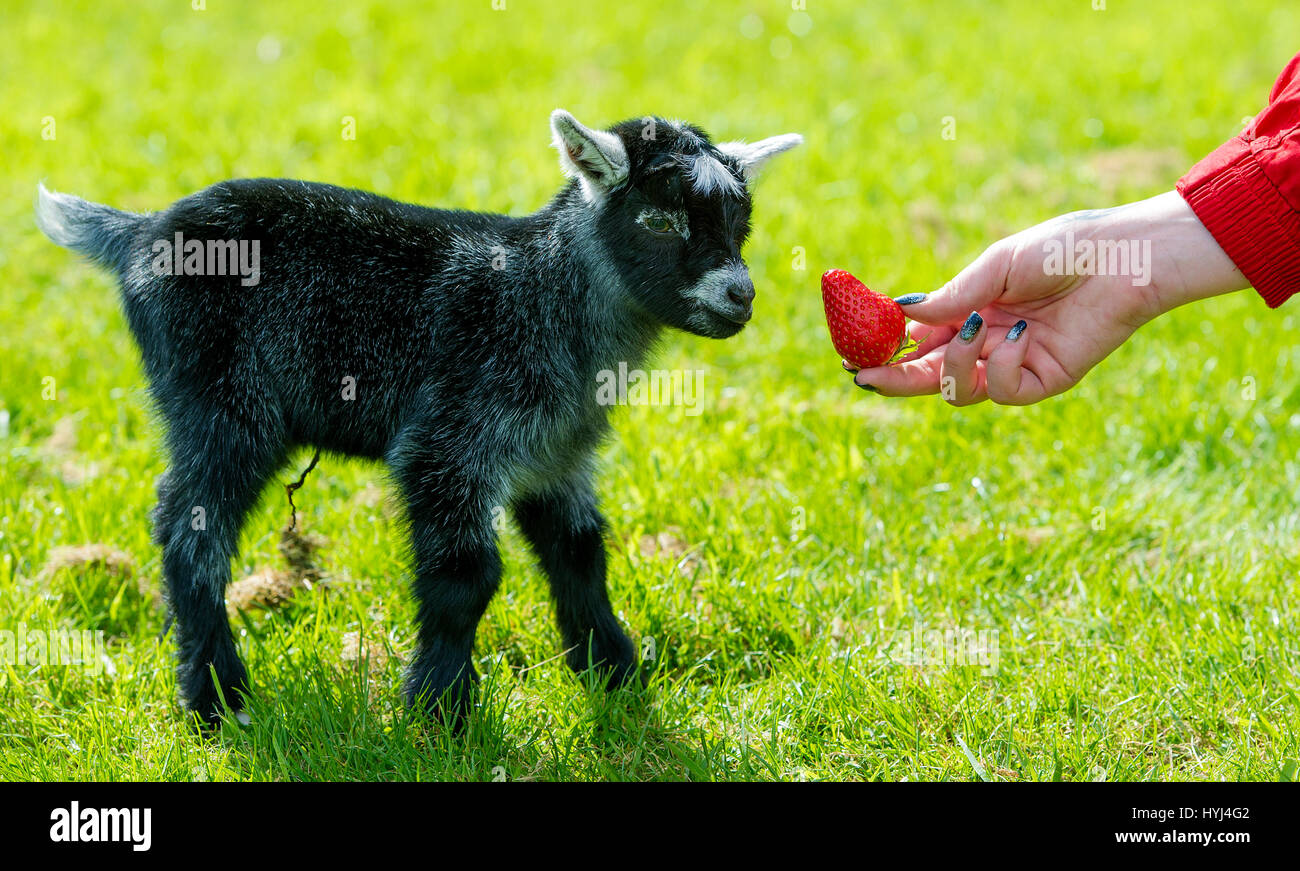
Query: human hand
(1020, 324)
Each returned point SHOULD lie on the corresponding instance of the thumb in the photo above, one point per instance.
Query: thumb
(974, 288)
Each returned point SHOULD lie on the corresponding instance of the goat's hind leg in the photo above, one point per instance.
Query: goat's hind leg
(218, 468)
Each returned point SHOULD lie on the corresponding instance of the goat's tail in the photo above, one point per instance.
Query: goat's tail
(102, 233)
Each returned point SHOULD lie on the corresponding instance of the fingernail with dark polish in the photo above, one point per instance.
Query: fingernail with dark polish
(910, 298)
(971, 327)
(867, 387)
(1014, 332)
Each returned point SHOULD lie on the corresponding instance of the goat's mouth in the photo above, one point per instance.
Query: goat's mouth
(717, 323)
(735, 314)
(722, 301)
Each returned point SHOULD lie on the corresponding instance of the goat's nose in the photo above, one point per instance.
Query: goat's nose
(741, 292)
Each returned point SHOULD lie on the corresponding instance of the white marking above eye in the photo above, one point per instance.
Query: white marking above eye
(709, 176)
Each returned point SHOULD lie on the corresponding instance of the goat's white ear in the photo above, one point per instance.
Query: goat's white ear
(752, 155)
(597, 158)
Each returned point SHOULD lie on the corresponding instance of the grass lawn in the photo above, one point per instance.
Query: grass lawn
(1118, 564)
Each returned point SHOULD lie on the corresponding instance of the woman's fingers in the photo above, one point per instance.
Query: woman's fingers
(1007, 381)
(919, 377)
(947, 362)
(964, 366)
(973, 289)
(927, 338)
(960, 374)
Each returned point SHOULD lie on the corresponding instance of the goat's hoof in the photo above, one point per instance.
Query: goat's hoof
(448, 700)
(624, 676)
(206, 706)
(612, 658)
(208, 721)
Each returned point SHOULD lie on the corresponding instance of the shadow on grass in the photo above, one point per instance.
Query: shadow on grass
(315, 721)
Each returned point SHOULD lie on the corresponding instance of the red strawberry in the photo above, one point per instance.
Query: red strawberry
(867, 328)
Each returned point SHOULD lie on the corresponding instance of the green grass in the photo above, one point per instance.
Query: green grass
(1132, 544)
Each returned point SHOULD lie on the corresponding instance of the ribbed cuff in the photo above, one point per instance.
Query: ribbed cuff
(1249, 218)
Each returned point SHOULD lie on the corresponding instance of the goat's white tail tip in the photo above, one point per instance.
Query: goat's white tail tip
(51, 216)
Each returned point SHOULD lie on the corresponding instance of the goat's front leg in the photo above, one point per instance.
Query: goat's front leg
(457, 570)
(566, 531)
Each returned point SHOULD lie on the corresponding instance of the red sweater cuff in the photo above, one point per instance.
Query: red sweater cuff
(1248, 217)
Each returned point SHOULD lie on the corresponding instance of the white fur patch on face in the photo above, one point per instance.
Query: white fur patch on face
(678, 221)
(712, 286)
(710, 292)
(709, 176)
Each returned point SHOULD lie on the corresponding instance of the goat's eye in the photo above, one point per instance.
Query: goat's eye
(657, 223)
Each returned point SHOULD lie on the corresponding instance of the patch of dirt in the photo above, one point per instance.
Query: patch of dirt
(299, 551)
(60, 452)
(79, 558)
(82, 558)
(356, 648)
(364, 656)
(265, 588)
(269, 588)
(63, 440)
(1034, 535)
(670, 545)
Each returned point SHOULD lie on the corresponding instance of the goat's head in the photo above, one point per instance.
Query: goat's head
(672, 211)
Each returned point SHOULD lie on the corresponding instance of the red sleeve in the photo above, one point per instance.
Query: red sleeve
(1247, 193)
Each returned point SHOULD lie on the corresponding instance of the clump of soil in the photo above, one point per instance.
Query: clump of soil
(59, 452)
(668, 544)
(269, 588)
(356, 648)
(82, 557)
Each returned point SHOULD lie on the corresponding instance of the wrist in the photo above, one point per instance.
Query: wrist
(1186, 263)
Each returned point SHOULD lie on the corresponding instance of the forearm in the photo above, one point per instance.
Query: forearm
(1187, 263)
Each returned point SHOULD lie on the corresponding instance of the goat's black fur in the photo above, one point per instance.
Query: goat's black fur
(473, 344)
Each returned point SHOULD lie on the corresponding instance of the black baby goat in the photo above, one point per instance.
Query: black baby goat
(463, 349)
